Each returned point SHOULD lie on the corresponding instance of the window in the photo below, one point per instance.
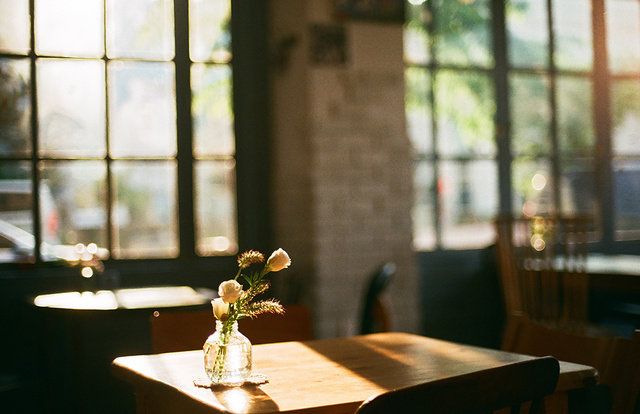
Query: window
(112, 115)
(563, 88)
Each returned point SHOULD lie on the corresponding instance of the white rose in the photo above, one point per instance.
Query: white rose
(230, 291)
(278, 260)
(220, 309)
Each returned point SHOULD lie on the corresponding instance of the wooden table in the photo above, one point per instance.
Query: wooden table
(322, 376)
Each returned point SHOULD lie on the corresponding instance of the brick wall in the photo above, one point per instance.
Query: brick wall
(342, 183)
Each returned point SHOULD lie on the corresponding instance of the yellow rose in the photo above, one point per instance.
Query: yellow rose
(278, 260)
(230, 291)
(220, 309)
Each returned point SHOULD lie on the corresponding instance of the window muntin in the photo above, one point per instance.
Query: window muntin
(107, 156)
(556, 160)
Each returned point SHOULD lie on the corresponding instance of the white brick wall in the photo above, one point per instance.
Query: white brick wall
(342, 170)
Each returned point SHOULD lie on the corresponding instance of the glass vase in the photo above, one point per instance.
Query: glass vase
(227, 356)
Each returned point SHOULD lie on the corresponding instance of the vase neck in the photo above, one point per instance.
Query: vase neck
(234, 327)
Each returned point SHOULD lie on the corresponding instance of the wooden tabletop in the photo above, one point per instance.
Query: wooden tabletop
(322, 376)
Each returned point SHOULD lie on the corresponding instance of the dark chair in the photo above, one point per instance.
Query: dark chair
(478, 392)
(173, 331)
(375, 317)
(617, 359)
(543, 267)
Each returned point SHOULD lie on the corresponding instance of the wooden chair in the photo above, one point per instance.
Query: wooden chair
(478, 392)
(542, 263)
(186, 330)
(616, 359)
(375, 317)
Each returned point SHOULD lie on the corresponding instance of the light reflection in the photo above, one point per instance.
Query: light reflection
(100, 300)
(538, 181)
(86, 272)
(235, 400)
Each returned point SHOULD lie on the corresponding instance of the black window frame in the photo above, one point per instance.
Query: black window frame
(249, 66)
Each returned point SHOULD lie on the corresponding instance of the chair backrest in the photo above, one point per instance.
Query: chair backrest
(616, 359)
(483, 391)
(375, 317)
(542, 266)
(186, 330)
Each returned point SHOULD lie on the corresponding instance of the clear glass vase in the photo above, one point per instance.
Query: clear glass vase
(227, 356)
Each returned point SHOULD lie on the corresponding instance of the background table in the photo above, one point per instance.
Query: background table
(80, 333)
(323, 376)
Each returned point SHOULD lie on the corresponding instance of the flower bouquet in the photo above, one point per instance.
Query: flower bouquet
(227, 353)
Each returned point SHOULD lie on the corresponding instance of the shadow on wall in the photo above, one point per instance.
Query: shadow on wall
(460, 296)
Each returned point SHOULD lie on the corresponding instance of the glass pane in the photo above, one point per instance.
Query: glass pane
(625, 96)
(627, 198)
(530, 114)
(144, 210)
(416, 36)
(69, 27)
(212, 110)
(532, 183)
(15, 107)
(572, 28)
(72, 206)
(71, 107)
(142, 109)
(468, 194)
(577, 186)
(575, 129)
(465, 109)
(418, 109)
(140, 29)
(210, 30)
(462, 32)
(16, 219)
(14, 26)
(424, 233)
(623, 35)
(215, 208)
(528, 33)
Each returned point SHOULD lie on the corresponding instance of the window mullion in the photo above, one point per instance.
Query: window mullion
(186, 228)
(602, 122)
(35, 172)
(502, 117)
(553, 106)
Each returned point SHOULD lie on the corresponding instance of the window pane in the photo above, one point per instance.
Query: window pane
(625, 96)
(210, 30)
(577, 186)
(469, 197)
(424, 233)
(463, 35)
(532, 187)
(572, 28)
(465, 109)
(627, 198)
(215, 208)
(144, 210)
(528, 33)
(72, 206)
(575, 130)
(140, 29)
(212, 110)
(418, 109)
(16, 221)
(71, 107)
(416, 37)
(15, 107)
(530, 114)
(142, 109)
(14, 26)
(69, 27)
(623, 35)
